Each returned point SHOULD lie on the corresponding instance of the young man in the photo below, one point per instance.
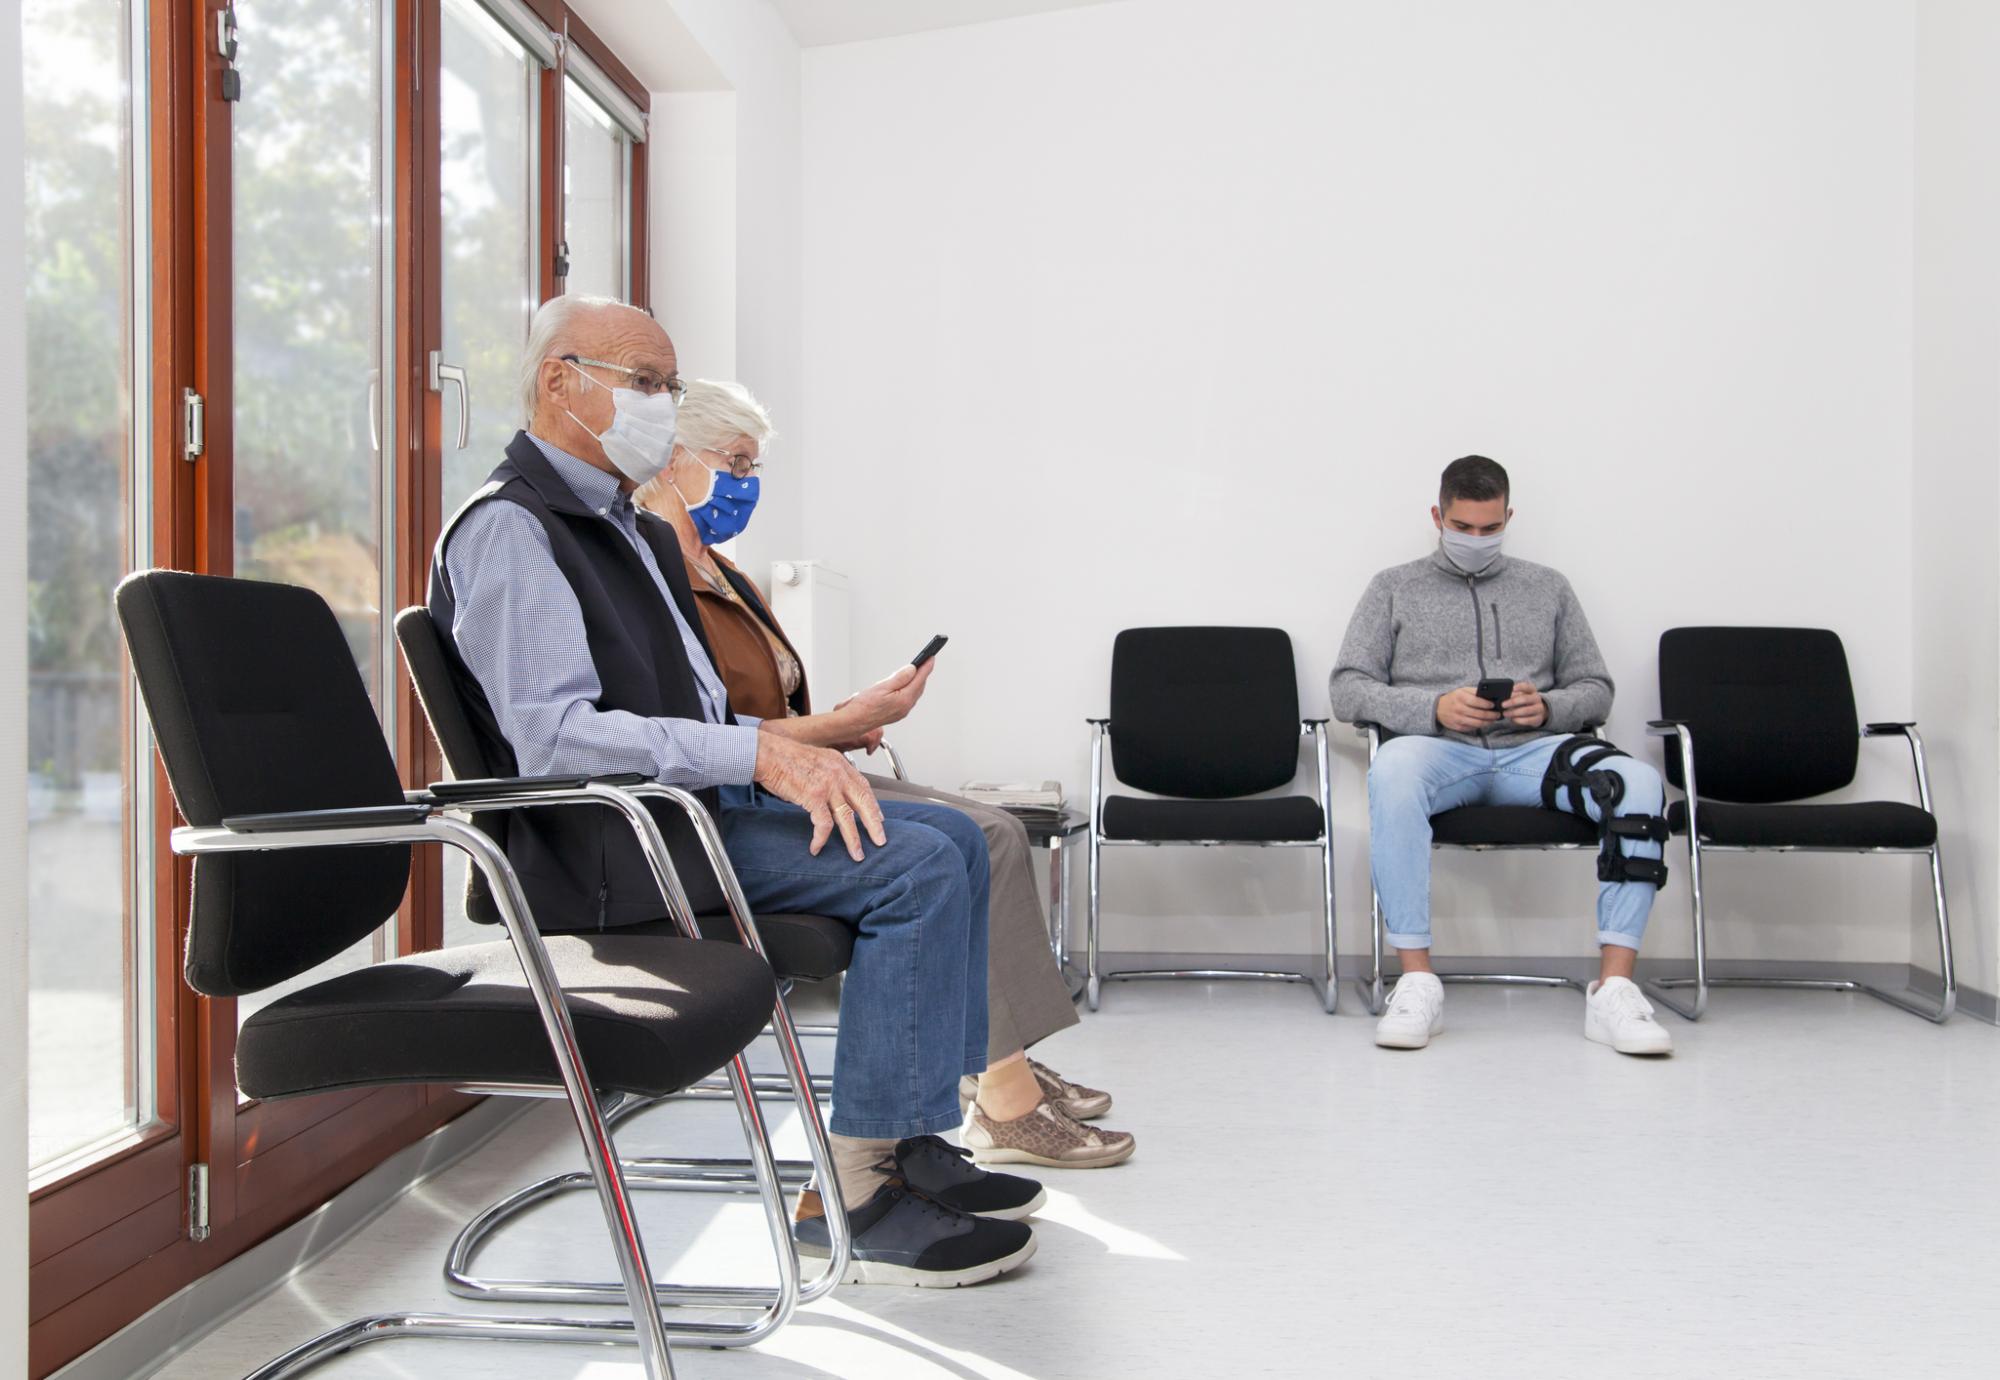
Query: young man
(1424, 637)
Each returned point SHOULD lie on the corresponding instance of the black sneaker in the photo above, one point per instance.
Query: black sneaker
(902, 1237)
(944, 1173)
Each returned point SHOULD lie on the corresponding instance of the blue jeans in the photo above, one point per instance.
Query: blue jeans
(913, 1002)
(1414, 778)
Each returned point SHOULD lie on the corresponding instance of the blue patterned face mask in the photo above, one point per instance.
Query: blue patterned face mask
(726, 511)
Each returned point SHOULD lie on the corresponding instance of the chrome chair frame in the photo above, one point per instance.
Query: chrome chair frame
(1661, 988)
(1327, 986)
(682, 1174)
(1374, 991)
(646, 1328)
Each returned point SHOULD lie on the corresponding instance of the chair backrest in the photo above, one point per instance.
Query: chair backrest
(430, 672)
(1771, 709)
(1204, 713)
(258, 708)
(464, 754)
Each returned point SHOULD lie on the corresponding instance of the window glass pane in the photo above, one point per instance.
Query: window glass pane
(308, 329)
(594, 175)
(490, 127)
(90, 1073)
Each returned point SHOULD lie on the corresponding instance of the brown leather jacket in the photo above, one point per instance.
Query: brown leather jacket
(743, 655)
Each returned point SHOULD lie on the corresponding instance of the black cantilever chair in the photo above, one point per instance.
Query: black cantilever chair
(798, 947)
(1764, 718)
(301, 835)
(1209, 717)
(1482, 829)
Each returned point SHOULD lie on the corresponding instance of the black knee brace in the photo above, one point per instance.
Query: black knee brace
(1574, 769)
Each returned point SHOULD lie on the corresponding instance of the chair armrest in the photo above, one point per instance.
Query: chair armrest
(1315, 723)
(1665, 728)
(1099, 723)
(445, 792)
(1908, 733)
(1888, 730)
(353, 817)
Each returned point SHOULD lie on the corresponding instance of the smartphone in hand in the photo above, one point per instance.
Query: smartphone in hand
(931, 649)
(1495, 690)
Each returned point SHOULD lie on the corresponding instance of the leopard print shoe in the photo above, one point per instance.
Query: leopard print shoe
(1046, 1136)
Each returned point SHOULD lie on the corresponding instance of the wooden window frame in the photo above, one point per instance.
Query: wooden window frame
(109, 1240)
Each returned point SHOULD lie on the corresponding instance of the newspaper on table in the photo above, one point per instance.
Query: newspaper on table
(1017, 796)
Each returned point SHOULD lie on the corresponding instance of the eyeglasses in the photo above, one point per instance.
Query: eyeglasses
(644, 381)
(741, 466)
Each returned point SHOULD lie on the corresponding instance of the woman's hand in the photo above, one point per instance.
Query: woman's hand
(887, 701)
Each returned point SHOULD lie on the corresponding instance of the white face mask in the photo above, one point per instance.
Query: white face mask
(1469, 553)
(640, 439)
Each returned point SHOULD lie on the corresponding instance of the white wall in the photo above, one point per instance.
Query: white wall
(13, 744)
(1957, 476)
(1123, 315)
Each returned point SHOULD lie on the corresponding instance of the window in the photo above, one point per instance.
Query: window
(270, 276)
(595, 170)
(90, 1069)
(309, 331)
(490, 184)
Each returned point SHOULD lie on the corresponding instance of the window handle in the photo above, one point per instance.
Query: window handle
(441, 373)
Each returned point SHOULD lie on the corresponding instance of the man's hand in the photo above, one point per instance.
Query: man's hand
(825, 785)
(887, 701)
(1526, 706)
(1462, 711)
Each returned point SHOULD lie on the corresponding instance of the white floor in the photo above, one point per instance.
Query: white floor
(1808, 1188)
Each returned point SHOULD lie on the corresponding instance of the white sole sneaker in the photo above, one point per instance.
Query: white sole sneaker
(1646, 1046)
(881, 1272)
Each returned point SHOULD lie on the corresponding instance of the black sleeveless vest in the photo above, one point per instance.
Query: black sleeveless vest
(581, 866)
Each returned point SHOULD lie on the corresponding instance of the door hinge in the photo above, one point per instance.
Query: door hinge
(197, 1202)
(194, 424)
(225, 47)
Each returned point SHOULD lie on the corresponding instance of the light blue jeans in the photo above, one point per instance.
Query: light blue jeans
(1414, 778)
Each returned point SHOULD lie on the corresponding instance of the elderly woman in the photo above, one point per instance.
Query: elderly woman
(1019, 1110)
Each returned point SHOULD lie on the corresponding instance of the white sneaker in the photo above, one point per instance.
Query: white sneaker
(1415, 1012)
(1616, 1013)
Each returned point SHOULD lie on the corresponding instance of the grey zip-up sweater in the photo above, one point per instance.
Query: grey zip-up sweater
(1426, 628)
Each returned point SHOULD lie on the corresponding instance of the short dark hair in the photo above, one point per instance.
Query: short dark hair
(1474, 477)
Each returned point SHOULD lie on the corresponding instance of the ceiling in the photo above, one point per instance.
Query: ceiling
(818, 22)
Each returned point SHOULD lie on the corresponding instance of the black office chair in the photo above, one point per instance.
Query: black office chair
(1481, 829)
(798, 947)
(1765, 718)
(1208, 717)
(301, 833)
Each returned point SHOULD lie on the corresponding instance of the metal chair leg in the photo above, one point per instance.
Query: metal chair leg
(1661, 988)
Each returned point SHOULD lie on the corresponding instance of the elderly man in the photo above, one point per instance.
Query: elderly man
(579, 650)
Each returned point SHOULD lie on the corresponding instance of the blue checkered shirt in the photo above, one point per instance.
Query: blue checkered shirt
(520, 630)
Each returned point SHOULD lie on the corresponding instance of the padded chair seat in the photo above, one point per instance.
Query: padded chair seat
(1516, 826)
(810, 947)
(652, 1015)
(1286, 819)
(1867, 824)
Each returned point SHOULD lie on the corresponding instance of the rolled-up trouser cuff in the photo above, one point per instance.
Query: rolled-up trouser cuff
(897, 1130)
(1622, 940)
(1409, 941)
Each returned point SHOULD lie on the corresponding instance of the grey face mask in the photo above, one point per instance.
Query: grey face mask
(1469, 553)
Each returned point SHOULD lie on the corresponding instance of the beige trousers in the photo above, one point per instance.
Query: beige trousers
(1026, 1000)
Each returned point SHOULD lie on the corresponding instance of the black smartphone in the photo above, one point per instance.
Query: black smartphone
(1496, 690)
(931, 649)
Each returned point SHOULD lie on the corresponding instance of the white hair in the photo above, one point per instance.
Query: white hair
(547, 332)
(712, 412)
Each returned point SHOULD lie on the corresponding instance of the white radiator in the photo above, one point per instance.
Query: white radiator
(810, 600)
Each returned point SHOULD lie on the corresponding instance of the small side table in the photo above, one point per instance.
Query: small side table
(1050, 831)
